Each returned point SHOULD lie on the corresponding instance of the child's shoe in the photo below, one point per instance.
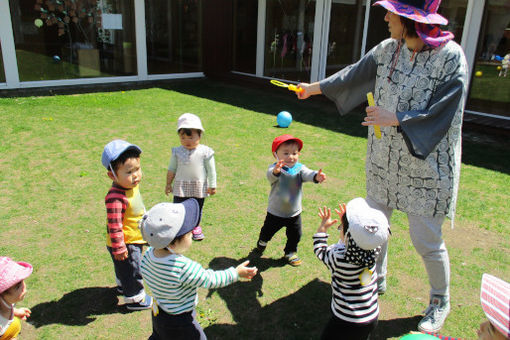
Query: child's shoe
(146, 303)
(198, 235)
(293, 259)
(435, 314)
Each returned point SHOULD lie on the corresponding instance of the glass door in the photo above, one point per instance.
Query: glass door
(2, 73)
(174, 36)
(345, 34)
(289, 34)
(490, 79)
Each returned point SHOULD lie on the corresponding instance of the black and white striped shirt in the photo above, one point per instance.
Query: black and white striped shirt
(352, 301)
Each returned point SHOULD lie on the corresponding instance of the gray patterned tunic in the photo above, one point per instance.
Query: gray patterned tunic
(414, 167)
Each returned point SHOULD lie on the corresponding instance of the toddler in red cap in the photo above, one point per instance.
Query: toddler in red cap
(286, 177)
(12, 290)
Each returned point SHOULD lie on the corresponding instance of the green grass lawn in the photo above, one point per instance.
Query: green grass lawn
(53, 186)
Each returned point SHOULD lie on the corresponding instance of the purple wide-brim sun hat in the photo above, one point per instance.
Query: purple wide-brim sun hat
(426, 15)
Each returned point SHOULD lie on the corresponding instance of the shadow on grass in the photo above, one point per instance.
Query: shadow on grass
(395, 328)
(300, 315)
(77, 308)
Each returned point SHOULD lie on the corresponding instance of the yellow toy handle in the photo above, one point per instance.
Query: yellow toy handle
(294, 88)
(371, 102)
(290, 87)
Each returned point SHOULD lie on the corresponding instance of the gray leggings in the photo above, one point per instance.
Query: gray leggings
(427, 239)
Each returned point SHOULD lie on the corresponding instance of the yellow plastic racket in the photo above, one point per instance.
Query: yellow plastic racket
(290, 87)
(371, 102)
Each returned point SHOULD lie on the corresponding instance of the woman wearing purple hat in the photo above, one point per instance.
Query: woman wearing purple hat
(419, 79)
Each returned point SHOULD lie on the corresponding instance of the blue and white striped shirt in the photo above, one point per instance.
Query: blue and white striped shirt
(174, 280)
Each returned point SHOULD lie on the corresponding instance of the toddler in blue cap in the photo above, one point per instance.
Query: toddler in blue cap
(124, 209)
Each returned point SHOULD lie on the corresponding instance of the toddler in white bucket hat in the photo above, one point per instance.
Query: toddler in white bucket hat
(192, 169)
(351, 261)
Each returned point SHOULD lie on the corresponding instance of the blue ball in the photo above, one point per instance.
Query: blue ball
(56, 58)
(284, 119)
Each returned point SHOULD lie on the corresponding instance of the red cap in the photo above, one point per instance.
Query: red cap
(285, 138)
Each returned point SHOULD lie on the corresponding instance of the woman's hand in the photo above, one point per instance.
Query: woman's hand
(306, 90)
(376, 115)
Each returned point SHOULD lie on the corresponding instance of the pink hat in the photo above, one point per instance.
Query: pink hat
(424, 11)
(495, 298)
(12, 272)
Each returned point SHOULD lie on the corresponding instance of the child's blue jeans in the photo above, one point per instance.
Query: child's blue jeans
(129, 275)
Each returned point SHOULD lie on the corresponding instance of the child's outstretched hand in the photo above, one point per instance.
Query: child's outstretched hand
(22, 313)
(278, 167)
(341, 210)
(325, 216)
(246, 272)
(320, 176)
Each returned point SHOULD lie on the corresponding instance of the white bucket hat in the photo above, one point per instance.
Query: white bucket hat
(189, 121)
(368, 227)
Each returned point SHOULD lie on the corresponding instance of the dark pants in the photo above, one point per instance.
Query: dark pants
(293, 230)
(340, 329)
(176, 327)
(200, 201)
(128, 271)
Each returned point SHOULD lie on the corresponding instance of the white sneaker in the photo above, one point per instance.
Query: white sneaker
(435, 314)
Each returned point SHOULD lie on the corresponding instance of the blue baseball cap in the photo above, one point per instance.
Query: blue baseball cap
(114, 149)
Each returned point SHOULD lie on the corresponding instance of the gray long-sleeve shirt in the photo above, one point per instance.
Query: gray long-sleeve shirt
(286, 189)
